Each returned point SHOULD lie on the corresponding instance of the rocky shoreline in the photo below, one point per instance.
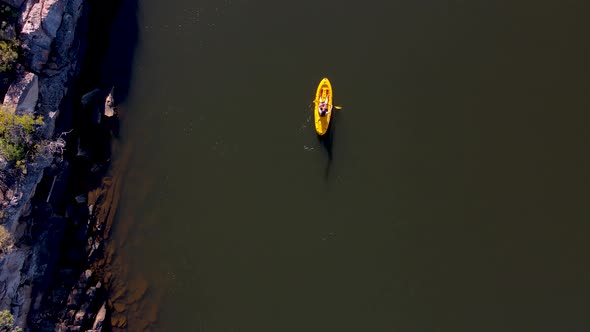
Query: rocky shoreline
(57, 275)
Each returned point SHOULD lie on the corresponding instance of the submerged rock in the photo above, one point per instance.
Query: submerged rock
(89, 97)
(119, 320)
(136, 293)
(119, 307)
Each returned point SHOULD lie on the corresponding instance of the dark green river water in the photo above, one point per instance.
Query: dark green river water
(453, 195)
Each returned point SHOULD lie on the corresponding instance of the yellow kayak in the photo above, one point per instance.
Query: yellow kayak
(323, 99)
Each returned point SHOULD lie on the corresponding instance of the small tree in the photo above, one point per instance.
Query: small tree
(6, 240)
(7, 322)
(17, 136)
(8, 54)
(9, 45)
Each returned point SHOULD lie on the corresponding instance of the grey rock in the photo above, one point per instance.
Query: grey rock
(23, 298)
(100, 316)
(79, 317)
(70, 314)
(61, 327)
(9, 32)
(51, 92)
(83, 282)
(3, 163)
(20, 300)
(110, 108)
(22, 95)
(75, 295)
(90, 294)
(74, 298)
(11, 276)
(27, 209)
(81, 199)
(47, 28)
(18, 196)
(65, 35)
(119, 320)
(40, 21)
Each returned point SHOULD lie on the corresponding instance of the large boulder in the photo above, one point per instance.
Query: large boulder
(22, 95)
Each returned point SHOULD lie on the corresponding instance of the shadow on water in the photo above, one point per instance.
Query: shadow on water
(327, 143)
(108, 31)
(112, 34)
(118, 62)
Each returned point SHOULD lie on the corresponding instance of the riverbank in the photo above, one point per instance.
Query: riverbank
(59, 211)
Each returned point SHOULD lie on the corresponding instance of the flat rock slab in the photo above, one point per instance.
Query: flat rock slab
(22, 95)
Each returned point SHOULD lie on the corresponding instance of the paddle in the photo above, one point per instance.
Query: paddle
(336, 107)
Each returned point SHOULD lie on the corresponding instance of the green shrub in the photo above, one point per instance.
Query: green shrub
(7, 322)
(9, 46)
(18, 141)
(6, 241)
(8, 54)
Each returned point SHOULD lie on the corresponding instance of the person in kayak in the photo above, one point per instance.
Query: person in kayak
(323, 107)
